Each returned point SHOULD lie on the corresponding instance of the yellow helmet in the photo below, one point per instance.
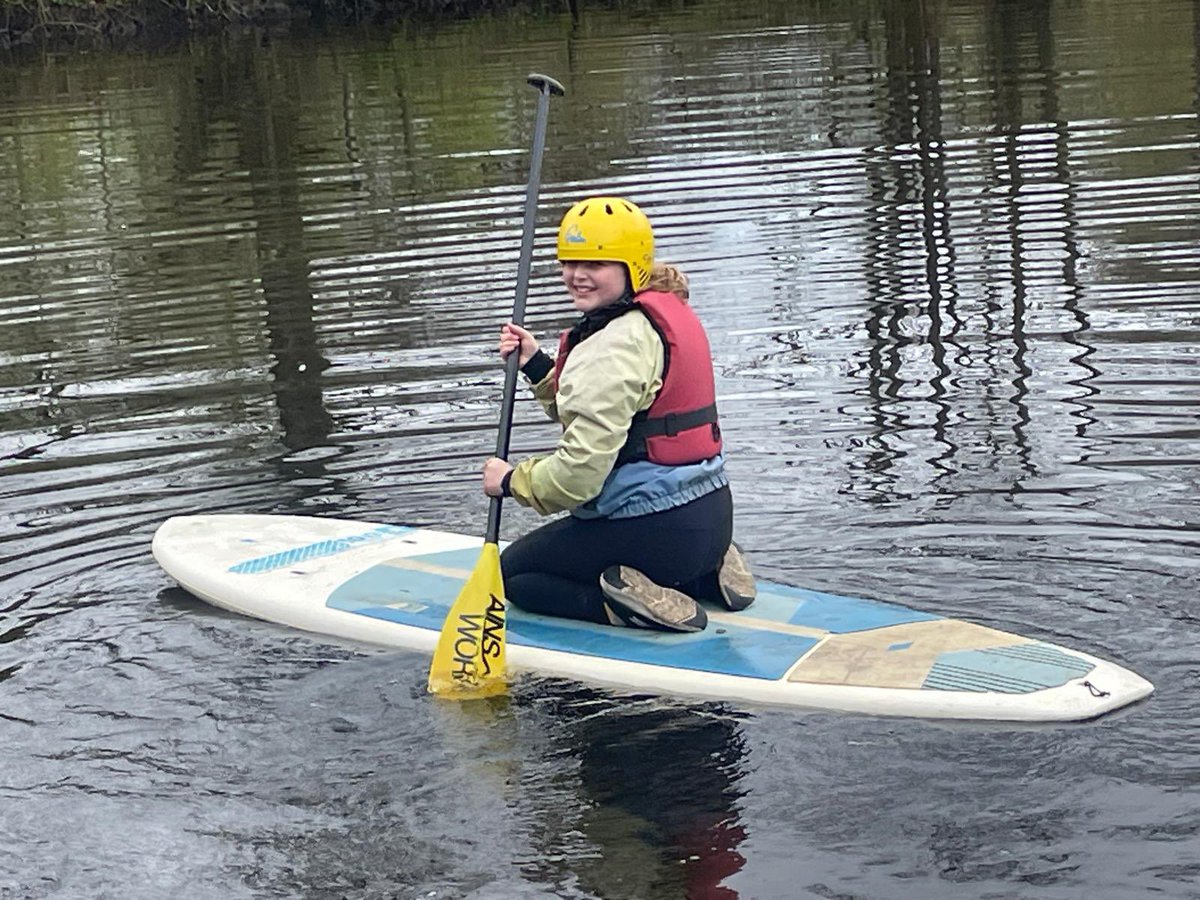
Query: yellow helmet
(610, 229)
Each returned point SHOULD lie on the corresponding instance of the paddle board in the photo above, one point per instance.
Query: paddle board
(392, 585)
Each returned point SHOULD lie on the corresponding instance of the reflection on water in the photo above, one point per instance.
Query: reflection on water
(949, 256)
(659, 797)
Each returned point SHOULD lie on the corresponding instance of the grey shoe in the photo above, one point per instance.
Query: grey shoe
(735, 581)
(633, 599)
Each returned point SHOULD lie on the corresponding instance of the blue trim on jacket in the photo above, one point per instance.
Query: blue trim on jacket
(642, 487)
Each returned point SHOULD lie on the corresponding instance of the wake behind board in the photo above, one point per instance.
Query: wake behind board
(393, 585)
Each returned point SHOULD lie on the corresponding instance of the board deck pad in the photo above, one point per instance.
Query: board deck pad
(394, 585)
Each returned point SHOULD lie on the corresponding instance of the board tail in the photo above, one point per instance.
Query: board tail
(469, 661)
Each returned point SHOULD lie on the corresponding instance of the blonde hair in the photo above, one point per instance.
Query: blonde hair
(668, 279)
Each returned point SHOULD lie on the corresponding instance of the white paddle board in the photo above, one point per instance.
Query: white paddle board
(392, 586)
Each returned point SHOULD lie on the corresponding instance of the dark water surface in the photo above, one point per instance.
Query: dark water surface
(949, 255)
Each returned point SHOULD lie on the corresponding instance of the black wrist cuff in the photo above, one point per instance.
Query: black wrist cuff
(505, 490)
(538, 367)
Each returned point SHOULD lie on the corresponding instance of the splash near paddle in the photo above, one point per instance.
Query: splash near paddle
(469, 660)
(470, 657)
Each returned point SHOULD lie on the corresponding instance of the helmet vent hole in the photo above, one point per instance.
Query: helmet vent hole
(608, 208)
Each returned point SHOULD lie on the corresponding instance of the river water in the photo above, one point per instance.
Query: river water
(949, 257)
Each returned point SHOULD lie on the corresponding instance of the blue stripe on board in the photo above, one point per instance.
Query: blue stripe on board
(727, 650)
(778, 603)
(385, 585)
(834, 613)
(422, 599)
(1016, 669)
(285, 558)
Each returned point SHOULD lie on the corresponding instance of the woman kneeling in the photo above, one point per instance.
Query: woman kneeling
(639, 464)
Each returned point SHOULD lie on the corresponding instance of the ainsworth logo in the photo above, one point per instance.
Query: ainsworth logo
(480, 640)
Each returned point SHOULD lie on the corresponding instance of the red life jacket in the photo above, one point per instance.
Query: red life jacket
(680, 427)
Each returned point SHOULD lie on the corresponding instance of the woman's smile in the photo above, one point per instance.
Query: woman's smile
(594, 284)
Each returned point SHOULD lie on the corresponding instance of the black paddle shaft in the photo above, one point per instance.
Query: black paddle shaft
(546, 86)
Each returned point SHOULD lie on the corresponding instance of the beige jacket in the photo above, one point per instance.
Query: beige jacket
(608, 378)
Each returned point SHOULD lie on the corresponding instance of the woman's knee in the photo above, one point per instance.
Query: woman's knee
(518, 558)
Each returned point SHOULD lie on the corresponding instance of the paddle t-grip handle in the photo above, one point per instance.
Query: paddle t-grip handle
(545, 83)
(546, 87)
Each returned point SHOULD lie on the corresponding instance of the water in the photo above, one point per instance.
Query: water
(949, 257)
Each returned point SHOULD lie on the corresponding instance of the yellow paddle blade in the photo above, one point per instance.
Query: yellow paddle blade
(469, 659)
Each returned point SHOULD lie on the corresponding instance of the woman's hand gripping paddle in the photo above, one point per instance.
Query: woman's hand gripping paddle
(469, 659)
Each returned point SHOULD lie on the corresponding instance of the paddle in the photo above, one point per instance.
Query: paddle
(469, 659)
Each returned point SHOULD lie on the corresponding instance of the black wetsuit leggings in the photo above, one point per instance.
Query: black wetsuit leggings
(555, 570)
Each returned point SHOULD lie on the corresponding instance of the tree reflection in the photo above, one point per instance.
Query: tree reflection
(1032, 172)
(912, 307)
(269, 151)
